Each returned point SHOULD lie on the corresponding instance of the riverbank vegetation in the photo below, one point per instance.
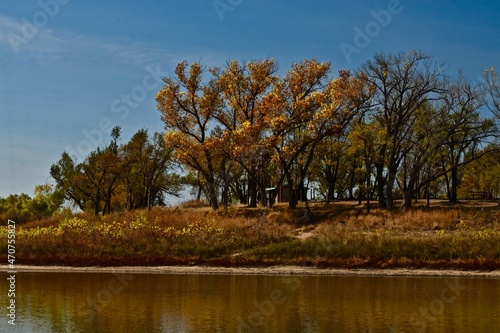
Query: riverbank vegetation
(333, 235)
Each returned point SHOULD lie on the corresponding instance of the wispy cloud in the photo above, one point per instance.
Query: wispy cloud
(48, 43)
(18, 36)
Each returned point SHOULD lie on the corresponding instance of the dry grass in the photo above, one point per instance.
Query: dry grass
(463, 236)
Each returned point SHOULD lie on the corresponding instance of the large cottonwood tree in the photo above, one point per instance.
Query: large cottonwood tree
(188, 105)
(243, 119)
(404, 82)
(306, 107)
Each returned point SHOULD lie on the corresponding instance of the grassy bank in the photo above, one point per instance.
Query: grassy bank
(465, 236)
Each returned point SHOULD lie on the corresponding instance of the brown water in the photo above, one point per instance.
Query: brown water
(88, 302)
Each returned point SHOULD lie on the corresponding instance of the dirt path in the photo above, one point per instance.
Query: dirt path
(304, 233)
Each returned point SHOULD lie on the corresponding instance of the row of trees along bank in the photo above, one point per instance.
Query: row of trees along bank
(399, 123)
(398, 126)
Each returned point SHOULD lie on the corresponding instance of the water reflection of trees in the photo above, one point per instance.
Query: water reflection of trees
(209, 303)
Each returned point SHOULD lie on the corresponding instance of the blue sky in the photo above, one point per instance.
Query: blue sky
(70, 70)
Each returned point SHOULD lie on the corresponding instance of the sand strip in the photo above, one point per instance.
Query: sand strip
(273, 270)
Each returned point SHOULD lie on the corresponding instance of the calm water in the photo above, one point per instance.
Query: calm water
(86, 302)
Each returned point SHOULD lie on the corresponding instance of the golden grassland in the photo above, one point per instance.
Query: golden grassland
(464, 236)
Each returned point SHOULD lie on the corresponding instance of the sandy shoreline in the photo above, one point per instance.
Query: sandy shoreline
(272, 270)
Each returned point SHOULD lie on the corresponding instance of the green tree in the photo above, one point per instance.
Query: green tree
(482, 174)
(17, 207)
(147, 177)
(91, 183)
(65, 172)
(46, 201)
(117, 177)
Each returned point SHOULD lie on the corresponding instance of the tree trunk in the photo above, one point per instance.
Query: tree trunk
(409, 193)
(454, 185)
(428, 194)
(381, 185)
(200, 191)
(97, 204)
(331, 176)
(252, 191)
(212, 195)
(225, 190)
(240, 192)
(391, 180)
(330, 196)
(262, 188)
(352, 181)
(292, 201)
(292, 195)
(368, 193)
(331, 181)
